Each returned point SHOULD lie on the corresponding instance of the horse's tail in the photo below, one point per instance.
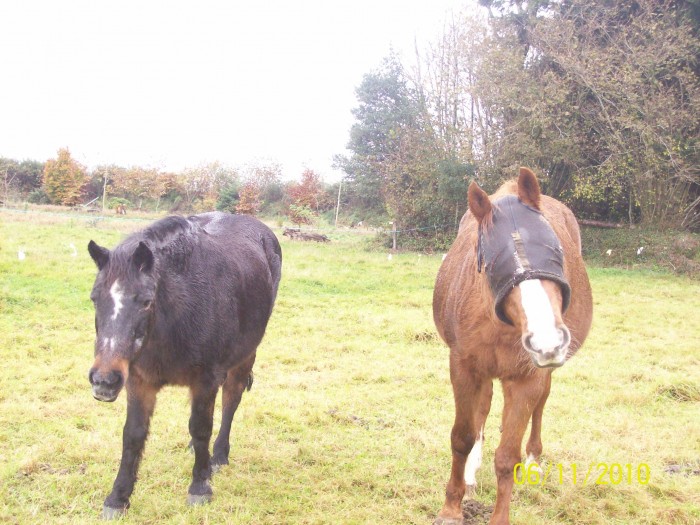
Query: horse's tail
(273, 254)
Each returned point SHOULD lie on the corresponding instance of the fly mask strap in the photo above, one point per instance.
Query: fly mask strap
(520, 249)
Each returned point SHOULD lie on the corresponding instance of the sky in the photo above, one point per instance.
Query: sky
(176, 84)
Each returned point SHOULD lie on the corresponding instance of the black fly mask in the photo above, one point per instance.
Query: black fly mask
(519, 245)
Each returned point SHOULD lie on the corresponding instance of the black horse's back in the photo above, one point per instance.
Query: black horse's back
(244, 228)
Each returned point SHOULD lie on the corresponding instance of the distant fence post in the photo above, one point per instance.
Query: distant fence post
(393, 235)
(337, 207)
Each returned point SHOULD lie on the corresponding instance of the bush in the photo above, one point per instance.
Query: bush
(301, 214)
(228, 198)
(38, 196)
(113, 202)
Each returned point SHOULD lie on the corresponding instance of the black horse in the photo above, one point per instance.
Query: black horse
(184, 302)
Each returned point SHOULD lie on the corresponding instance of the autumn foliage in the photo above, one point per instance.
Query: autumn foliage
(249, 199)
(64, 179)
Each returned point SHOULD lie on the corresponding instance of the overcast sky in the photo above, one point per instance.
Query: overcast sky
(171, 84)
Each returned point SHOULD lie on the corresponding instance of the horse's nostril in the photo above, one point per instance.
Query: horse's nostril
(527, 341)
(111, 379)
(565, 337)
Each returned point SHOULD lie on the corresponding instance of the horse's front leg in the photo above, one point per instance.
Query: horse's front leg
(533, 448)
(141, 400)
(468, 393)
(201, 423)
(519, 399)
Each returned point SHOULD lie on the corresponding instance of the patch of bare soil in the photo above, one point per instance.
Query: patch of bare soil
(691, 468)
(475, 512)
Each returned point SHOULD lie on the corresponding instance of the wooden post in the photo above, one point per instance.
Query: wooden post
(104, 194)
(393, 235)
(337, 208)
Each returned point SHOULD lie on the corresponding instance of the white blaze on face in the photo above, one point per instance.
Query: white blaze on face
(108, 345)
(474, 460)
(540, 316)
(117, 296)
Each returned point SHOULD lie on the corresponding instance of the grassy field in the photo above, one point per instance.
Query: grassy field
(349, 418)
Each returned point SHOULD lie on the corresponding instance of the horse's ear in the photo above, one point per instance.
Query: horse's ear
(528, 188)
(143, 257)
(99, 254)
(479, 202)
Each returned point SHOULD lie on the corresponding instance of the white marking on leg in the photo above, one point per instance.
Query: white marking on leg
(531, 464)
(531, 460)
(117, 296)
(474, 460)
(540, 316)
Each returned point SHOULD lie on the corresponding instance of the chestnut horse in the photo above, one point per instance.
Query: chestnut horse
(512, 301)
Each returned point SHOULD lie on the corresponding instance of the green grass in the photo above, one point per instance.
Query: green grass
(349, 417)
(669, 251)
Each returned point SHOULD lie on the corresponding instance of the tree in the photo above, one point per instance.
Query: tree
(201, 185)
(300, 214)
(8, 172)
(305, 197)
(228, 197)
(268, 177)
(408, 140)
(249, 198)
(64, 179)
(632, 75)
(601, 97)
(308, 192)
(387, 104)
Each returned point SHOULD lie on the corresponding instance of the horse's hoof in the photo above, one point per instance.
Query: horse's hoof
(448, 521)
(215, 467)
(218, 464)
(111, 513)
(198, 499)
(470, 492)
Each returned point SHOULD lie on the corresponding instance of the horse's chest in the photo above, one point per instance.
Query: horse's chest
(494, 354)
(159, 370)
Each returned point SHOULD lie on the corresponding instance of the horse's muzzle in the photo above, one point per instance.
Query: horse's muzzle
(106, 386)
(549, 356)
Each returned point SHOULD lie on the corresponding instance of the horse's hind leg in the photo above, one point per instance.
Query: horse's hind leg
(533, 448)
(237, 380)
(467, 392)
(474, 458)
(201, 423)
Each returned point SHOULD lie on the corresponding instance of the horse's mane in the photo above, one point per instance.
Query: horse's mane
(510, 187)
(166, 231)
(170, 234)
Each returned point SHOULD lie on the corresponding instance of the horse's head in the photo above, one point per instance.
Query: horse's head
(123, 295)
(523, 261)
